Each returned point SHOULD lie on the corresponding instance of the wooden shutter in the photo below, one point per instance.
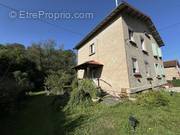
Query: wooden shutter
(154, 49)
(159, 52)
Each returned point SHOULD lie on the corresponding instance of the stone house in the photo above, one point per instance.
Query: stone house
(122, 53)
(172, 69)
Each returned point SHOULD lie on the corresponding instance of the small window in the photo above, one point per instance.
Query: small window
(92, 49)
(143, 45)
(131, 34)
(174, 78)
(135, 65)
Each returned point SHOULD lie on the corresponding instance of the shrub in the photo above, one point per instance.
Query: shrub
(82, 92)
(153, 99)
(56, 82)
(175, 83)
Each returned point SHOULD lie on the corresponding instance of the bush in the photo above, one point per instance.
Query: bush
(153, 99)
(82, 93)
(176, 83)
(56, 82)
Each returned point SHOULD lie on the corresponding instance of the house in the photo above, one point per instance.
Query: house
(122, 54)
(172, 69)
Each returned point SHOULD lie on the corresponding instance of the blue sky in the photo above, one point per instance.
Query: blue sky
(164, 14)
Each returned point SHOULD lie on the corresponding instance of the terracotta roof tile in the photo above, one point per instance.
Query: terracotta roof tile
(172, 63)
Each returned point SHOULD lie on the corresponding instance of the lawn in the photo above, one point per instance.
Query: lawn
(46, 116)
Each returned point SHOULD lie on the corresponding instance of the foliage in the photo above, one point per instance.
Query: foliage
(175, 83)
(153, 99)
(23, 80)
(56, 82)
(30, 69)
(82, 93)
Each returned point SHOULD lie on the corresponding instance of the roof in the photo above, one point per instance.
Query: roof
(172, 63)
(91, 63)
(123, 7)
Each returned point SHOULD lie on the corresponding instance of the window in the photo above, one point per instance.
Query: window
(156, 68)
(92, 49)
(135, 65)
(147, 68)
(143, 44)
(131, 34)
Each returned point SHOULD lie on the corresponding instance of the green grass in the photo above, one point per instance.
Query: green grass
(103, 120)
(42, 116)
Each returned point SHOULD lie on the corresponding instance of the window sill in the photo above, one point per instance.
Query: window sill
(155, 56)
(158, 77)
(137, 75)
(91, 54)
(133, 43)
(149, 78)
(145, 52)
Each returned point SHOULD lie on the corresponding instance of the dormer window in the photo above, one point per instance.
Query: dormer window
(92, 49)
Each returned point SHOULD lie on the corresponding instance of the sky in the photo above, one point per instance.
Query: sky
(164, 13)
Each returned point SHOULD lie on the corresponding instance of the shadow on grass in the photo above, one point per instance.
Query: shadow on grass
(39, 115)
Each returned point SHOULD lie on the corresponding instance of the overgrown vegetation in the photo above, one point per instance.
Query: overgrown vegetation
(45, 115)
(41, 66)
(162, 118)
(153, 99)
(175, 83)
(82, 92)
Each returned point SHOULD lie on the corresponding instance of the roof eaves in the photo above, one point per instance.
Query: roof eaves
(113, 14)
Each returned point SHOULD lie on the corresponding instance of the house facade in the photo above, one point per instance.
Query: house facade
(122, 53)
(172, 69)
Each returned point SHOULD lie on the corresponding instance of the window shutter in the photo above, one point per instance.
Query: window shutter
(154, 49)
(159, 52)
(163, 72)
(155, 68)
(160, 70)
